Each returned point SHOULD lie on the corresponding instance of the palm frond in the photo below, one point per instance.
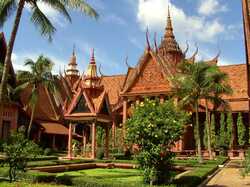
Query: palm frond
(58, 6)
(82, 6)
(42, 22)
(7, 8)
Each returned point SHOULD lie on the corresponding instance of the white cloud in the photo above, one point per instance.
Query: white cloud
(211, 7)
(153, 14)
(18, 60)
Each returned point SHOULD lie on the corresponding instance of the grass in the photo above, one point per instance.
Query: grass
(25, 184)
(112, 177)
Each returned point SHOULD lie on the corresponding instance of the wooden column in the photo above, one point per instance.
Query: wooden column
(124, 119)
(106, 152)
(113, 134)
(93, 156)
(70, 142)
(84, 140)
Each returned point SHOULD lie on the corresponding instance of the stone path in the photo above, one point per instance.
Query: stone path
(229, 176)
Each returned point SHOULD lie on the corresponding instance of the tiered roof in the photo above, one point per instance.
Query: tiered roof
(90, 100)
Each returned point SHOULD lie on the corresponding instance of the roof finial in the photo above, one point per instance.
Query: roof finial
(147, 39)
(92, 60)
(74, 50)
(169, 28)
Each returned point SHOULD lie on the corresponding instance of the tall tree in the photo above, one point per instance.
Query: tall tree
(39, 77)
(40, 20)
(223, 132)
(215, 87)
(241, 130)
(188, 86)
(229, 129)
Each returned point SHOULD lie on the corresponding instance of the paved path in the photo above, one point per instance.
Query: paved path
(229, 176)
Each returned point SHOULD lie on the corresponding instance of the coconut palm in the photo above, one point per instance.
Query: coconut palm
(216, 86)
(39, 76)
(189, 89)
(40, 20)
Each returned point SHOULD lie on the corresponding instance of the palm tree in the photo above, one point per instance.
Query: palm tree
(188, 86)
(215, 87)
(41, 21)
(39, 76)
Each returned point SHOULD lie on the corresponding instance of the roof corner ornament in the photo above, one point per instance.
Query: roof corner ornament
(147, 39)
(99, 68)
(195, 53)
(126, 62)
(187, 48)
(155, 42)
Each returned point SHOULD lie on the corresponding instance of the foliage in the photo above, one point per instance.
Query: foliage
(246, 164)
(100, 136)
(100, 153)
(223, 132)
(41, 20)
(76, 146)
(47, 151)
(229, 139)
(213, 133)
(18, 150)
(40, 77)
(241, 130)
(205, 135)
(154, 128)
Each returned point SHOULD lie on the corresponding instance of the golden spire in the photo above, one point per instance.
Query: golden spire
(72, 66)
(91, 73)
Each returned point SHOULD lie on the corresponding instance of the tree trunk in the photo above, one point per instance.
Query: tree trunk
(31, 120)
(208, 132)
(7, 60)
(198, 138)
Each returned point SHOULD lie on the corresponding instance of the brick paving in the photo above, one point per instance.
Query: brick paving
(229, 176)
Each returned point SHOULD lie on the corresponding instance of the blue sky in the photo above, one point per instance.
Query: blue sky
(120, 31)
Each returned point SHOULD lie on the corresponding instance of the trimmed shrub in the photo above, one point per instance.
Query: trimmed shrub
(64, 180)
(100, 153)
(47, 151)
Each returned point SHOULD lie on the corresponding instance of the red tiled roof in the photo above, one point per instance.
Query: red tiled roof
(54, 128)
(112, 86)
(237, 79)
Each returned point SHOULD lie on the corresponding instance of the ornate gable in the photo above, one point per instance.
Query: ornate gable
(150, 78)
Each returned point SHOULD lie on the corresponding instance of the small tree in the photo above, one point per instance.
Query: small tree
(19, 150)
(241, 131)
(229, 140)
(223, 134)
(154, 128)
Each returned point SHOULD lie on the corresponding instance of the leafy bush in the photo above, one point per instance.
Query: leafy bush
(154, 128)
(64, 180)
(47, 151)
(39, 177)
(246, 164)
(18, 150)
(100, 153)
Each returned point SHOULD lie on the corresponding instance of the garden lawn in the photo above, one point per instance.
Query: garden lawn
(24, 184)
(116, 177)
